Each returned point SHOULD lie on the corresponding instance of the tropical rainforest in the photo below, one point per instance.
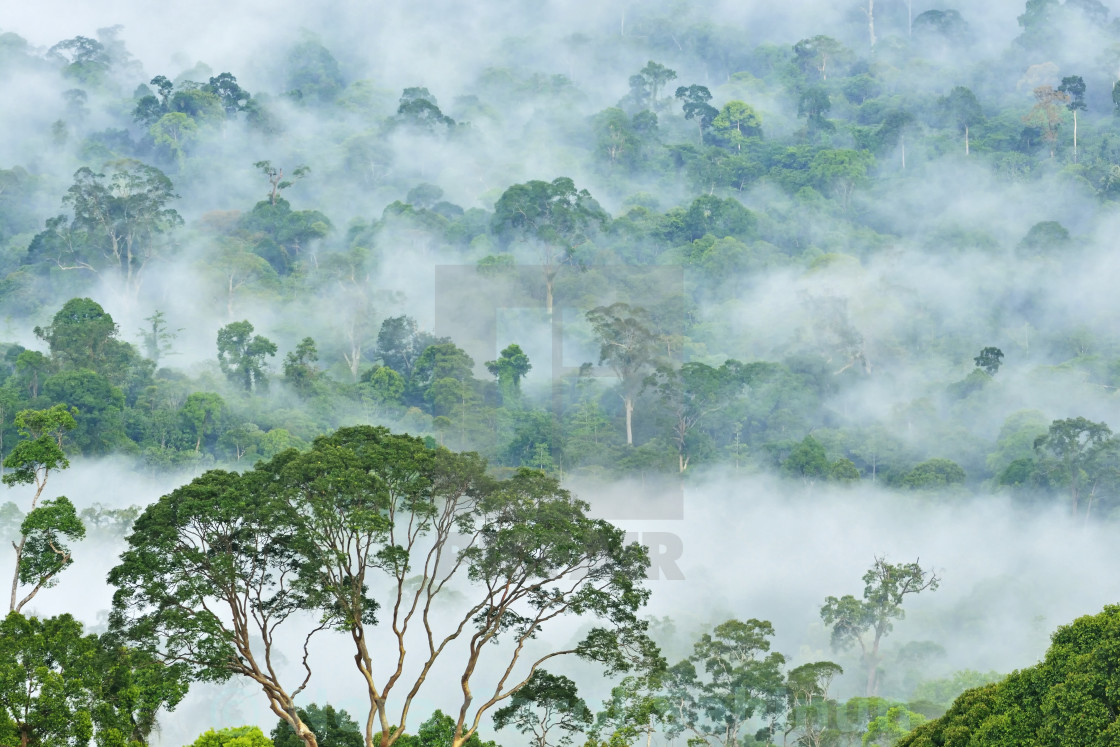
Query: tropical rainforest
(547, 373)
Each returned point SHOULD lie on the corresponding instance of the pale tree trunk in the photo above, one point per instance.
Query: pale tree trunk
(902, 144)
(966, 140)
(40, 484)
(1075, 136)
(871, 20)
(629, 402)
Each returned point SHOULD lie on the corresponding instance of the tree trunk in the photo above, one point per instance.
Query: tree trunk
(629, 401)
(15, 576)
(871, 20)
(902, 144)
(1075, 136)
(966, 140)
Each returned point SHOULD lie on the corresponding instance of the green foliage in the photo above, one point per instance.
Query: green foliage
(235, 736)
(741, 680)
(60, 686)
(694, 103)
(1068, 698)
(807, 460)
(119, 223)
(989, 360)
(545, 703)
(439, 731)
(1078, 454)
(510, 367)
(300, 371)
(1045, 238)
(934, 474)
(865, 622)
(945, 690)
(332, 729)
(241, 355)
(209, 562)
(47, 668)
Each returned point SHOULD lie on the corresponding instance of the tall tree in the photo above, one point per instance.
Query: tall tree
(691, 392)
(546, 703)
(276, 181)
(1073, 86)
(157, 337)
(41, 553)
(963, 110)
(817, 52)
(83, 335)
(554, 218)
(743, 681)
(694, 101)
(207, 582)
(630, 346)
(1073, 452)
(865, 622)
(374, 505)
(119, 224)
(648, 83)
(809, 709)
(509, 369)
(1047, 113)
(736, 122)
(241, 355)
(300, 371)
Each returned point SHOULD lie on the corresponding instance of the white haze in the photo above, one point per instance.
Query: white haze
(753, 546)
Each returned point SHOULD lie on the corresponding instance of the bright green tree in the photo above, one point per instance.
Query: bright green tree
(204, 583)
(736, 123)
(241, 355)
(509, 369)
(636, 707)
(397, 504)
(234, 736)
(730, 678)
(1069, 698)
(41, 553)
(46, 670)
(546, 703)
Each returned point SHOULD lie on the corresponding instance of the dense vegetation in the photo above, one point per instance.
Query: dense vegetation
(868, 251)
